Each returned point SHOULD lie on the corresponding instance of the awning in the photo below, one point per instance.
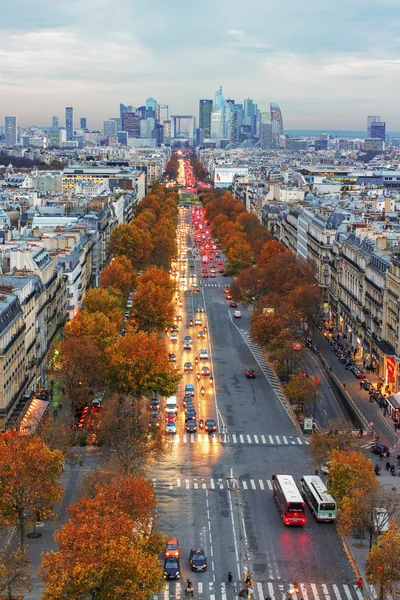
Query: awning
(384, 348)
(33, 416)
(394, 400)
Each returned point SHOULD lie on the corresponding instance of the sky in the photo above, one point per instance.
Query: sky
(327, 63)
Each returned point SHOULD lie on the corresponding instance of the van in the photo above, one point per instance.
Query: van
(171, 405)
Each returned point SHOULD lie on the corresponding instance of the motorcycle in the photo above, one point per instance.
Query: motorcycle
(201, 424)
(393, 470)
(377, 470)
(211, 381)
(202, 390)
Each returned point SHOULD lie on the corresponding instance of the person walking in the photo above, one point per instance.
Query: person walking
(230, 577)
(360, 584)
(387, 466)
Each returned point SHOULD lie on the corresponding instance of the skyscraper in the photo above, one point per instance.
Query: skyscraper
(370, 120)
(162, 113)
(124, 109)
(109, 129)
(378, 130)
(277, 122)
(55, 124)
(205, 110)
(250, 114)
(131, 124)
(69, 122)
(83, 123)
(11, 130)
(151, 108)
(221, 117)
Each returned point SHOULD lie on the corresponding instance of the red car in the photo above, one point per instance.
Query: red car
(233, 304)
(250, 373)
(221, 270)
(220, 262)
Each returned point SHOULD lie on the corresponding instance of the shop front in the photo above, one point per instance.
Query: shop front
(394, 410)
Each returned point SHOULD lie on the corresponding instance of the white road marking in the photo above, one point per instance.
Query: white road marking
(244, 485)
(212, 484)
(252, 483)
(264, 441)
(256, 439)
(260, 481)
(278, 439)
(314, 591)
(325, 591)
(249, 440)
(269, 483)
(337, 593)
(284, 439)
(234, 439)
(241, 438)
(271, 439)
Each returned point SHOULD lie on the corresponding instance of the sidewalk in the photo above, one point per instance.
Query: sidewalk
(373, 413)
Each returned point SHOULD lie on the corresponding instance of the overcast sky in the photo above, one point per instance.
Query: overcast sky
(327, 63)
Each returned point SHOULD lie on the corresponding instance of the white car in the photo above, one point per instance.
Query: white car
(197, 321)
(237, 314)
(174, 337)
(170, 427)
(203, 353)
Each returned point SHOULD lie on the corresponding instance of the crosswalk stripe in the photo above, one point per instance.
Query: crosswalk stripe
(260, 590)
(325, 590)
(271, 439)
(263, 439)
(195, 485)
(304, 591)
(299, 440)
(347, 592)
(314, 591)
(261, 484)
(337, 593)
(244, 485)
(278, 439)
(284, 439)
(252, 483)
(241, 438)
(223, 591)
(249, 440)
(234, 439)
(271, 592)
(359, 594)
(187, 484)
(166, 592)
(212, 484)
(184, 438)
(256, 438)
(269, 484)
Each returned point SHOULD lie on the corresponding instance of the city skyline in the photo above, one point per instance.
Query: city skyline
(327, 66)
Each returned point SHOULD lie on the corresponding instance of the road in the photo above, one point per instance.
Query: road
(240, 529)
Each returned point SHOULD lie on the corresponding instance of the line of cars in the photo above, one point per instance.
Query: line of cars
(172, 559)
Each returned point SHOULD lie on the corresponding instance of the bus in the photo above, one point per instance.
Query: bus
(288, 499)
(321, 503)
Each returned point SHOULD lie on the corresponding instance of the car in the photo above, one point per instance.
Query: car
(191, 426)
(226, 290)
(174, 337)
(154, 403)
(187, 338)
(197, 559)
(205, 371)
(190, 413)
(172, 357)
(229, 296)
(126, 314)
(237, 314)
(201, 335)
(221, 270)
(188, 367)
(155, 411)
(212, 274)
(172, 548)
(197, 321)
(325, 468)
(154, 420)
(174, 328)
(187, 346)
(189, 389)
(170, 416)
(189, 405)
(220, 262)
(172, 568)
(191, 265)
(170, 427)
(380, 449)
(250, 373)
(360, 375)
(210, 425)
(196, 290)
(205, 275)
(233, 304)
(200, 309)
(203, 353)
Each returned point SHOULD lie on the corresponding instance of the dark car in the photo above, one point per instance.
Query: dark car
(171, 568)
(250, 373)
(233, 304)
(197, 559)
(154, 403)
(380, 449)
(187, 400)
(191, 426)
(189, 406)
(190, 413)
(210, 425)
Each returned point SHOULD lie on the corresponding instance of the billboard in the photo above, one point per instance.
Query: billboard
(223, 176)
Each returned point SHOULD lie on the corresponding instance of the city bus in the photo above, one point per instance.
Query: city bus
(288, 499)
(321, 503)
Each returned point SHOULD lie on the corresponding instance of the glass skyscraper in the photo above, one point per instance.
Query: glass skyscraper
(11, 130)
(277, 121)
(69, 122)
(205, 110)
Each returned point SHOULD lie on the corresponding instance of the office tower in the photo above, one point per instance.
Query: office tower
(370, 120)
(109, 129)
(265, 117)
(162, 113)
(83, 123)
(250, 114)
(378, 130)
(122, 137)
(124, 109)
(69, 122)
(277, 122)
(55, 124)
(151, 108)
(221, 117)
(11, 130)
(266, 136)
(131, 124)
(205, 110)
(217, 124)
(146, 127)
(167, 133)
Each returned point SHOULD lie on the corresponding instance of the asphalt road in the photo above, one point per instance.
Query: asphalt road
(240, 529)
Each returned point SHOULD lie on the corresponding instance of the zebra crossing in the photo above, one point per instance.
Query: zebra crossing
(212, 284)
(241, 438)
(175, 590)
(202, 483)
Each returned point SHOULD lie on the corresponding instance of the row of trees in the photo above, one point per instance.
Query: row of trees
(171, 170)
(364, 506)
(199, 170)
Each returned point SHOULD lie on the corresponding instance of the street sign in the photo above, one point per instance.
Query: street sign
(308, 424)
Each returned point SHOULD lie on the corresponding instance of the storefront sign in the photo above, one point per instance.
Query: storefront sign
(390, 369)
(308, 423)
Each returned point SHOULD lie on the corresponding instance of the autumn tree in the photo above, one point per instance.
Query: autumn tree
(15, 572)
(139, 366)
(119, 274)
(339, 437)
(101, 330)
(108, 301)
(301, 389)
(348, 471)
(383, 563)
(56, 433)
(29, 473)
(134, 243)
(240, 256)
(152, 308)
(107, 549)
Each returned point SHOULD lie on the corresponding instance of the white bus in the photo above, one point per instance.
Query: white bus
(321, 503)
(289, 500)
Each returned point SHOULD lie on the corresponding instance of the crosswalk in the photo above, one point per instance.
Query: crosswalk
(204, 483)
(212, 284)
(240, 439)
(273, 590)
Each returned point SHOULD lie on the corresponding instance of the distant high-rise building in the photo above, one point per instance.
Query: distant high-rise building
(151, 108)
(141, 111)
(109, 129)
(167, 132)
(250, 110)
(205, 110)
(378, 130)
(69, 122)
(55, 124)
(11, 130)
(122, 137)
(131, 124)
(83, 123)
(370, 120)
(266, 135)
(277, 121)
(265, 117)
(146, 127)
(221, 117)
(162, 113)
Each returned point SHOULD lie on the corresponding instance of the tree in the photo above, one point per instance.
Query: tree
(348, 471)
(108, 301)
(152, 308)
(29, 473)
(134, 243)
(339, 437)
(105, 550)
(301, 388)
(240, 256)
(97, 327)
(56, 433)
(119, 274)
(14, 572)
(159, 276)
(383, 563)
(139, 366)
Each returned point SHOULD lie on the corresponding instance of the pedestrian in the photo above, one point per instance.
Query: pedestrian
(360, 584)
(361, 385)
(344, 385)
(230, 577)
(387, 466)
(364, 363)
